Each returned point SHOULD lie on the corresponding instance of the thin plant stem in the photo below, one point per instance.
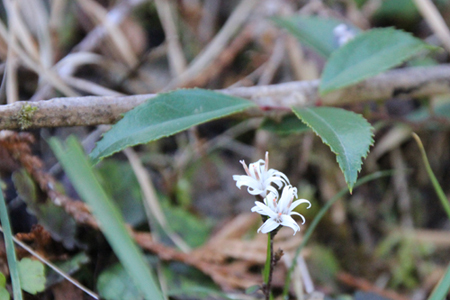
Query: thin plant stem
(434, 181)
(270, 264)
(319, 217)
(442, 288)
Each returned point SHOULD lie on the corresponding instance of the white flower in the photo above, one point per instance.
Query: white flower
(343, 34)
(259, 178)
(280, 212)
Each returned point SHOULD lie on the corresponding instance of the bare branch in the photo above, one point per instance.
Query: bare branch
(94, 110)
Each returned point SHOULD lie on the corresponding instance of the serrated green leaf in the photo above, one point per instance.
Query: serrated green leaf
(32, 275)
(165, 115)
(80, 172)
(368, 54)
(348, 135)
(314, 32)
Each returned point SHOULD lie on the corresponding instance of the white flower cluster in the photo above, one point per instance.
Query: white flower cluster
(259, 181)
(343, 34)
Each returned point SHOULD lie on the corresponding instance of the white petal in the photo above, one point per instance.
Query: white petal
(298, 202)
(265, 210)
(285, 200)
(289, 222)
(272, 190)
(268, 226)
(301, 216)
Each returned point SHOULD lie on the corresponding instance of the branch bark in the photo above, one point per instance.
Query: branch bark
(93, 110)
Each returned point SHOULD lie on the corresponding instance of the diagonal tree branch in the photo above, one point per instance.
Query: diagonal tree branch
(94, 110)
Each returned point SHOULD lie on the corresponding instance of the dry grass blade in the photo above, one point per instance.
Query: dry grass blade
(214, 48)
(177, 61)
(151, 199)
(435, 20)
(115, 33)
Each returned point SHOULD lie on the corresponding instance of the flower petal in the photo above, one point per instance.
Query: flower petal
(286, 199)
(268, 226)
(289, 222)
(264, 210)
(298, 202)
(301, 216)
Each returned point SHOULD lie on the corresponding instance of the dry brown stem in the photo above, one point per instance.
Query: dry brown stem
(92, 110)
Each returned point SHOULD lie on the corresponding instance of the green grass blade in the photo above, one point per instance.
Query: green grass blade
(436, 185)
(10, 252)
(441, 290)
(79, 170)
(319, 217)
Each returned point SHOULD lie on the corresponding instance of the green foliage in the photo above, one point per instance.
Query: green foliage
(181, 280)
(323, 264)
(120, 182)
(289, 124)
(10, 251)
(442, 289)
(348, 135)
(79, 170)
(55, 219)
(69, 267)
(32, 275)
(253, 289)
(367, 55)
(4, 294)
(165, 115)
(192, 229)
(114, 283)
(314, 32)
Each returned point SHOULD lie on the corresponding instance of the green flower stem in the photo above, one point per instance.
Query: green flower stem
(270, 264)
(437, 187)
(319, 217)
(10, 252)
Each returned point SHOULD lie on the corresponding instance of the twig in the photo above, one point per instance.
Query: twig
(91, 110)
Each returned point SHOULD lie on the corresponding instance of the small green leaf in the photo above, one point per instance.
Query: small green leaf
(367, 55)
(32, 275)
(114, 283)
(4, 294)
(349, 136)
(165, 115)
(2, 280)
(253, 289)
(55, 219)
(314, 32)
